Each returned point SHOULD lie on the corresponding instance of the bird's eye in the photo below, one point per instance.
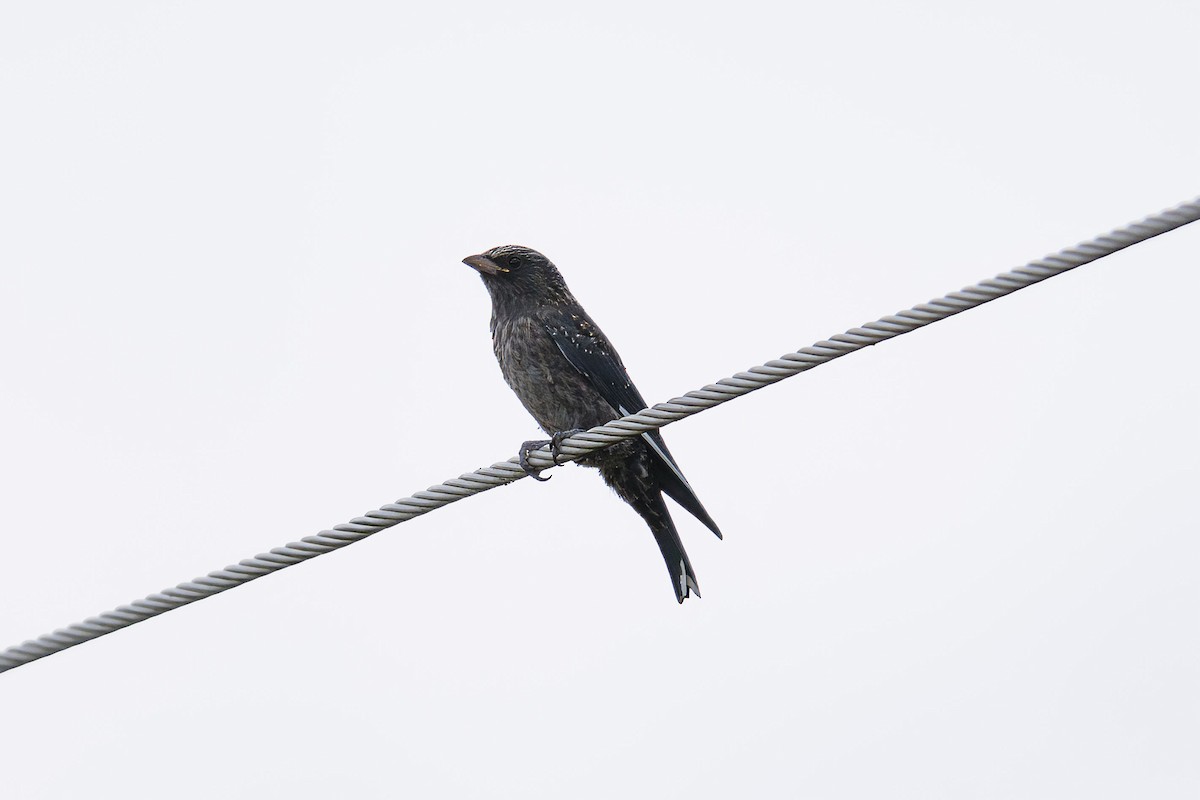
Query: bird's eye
(514, 261)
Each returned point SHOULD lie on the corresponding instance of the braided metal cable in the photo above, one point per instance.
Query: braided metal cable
(627, 427)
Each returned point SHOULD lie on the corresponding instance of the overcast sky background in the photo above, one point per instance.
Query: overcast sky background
(960, 564)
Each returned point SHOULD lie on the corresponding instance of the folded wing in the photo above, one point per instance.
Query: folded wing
(588, 351)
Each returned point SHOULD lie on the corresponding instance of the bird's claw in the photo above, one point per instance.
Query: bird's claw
(523, 458)
(555, 441)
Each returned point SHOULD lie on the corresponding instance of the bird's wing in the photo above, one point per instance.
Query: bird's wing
(588, 350)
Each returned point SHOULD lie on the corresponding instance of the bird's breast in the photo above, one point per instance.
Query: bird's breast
(556, 394)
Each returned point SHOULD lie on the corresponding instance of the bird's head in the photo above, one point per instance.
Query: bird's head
(511, 272)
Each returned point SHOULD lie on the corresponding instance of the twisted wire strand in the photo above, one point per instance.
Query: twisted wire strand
(657, 416)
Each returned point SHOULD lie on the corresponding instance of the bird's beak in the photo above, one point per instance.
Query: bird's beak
(484, 265)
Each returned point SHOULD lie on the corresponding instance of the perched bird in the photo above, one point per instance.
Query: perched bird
(569, 377)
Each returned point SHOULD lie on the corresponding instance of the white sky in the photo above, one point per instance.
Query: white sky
(961, 564)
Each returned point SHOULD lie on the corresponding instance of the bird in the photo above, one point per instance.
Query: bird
(570, 378)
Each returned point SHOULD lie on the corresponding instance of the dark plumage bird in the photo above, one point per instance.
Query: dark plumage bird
(569, 377)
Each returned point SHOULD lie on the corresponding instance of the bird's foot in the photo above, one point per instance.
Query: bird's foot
(523, 457)
(555, 441)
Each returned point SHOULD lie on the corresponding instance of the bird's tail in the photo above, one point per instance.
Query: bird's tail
(631, 478)
(653, 509)
(683, 579)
